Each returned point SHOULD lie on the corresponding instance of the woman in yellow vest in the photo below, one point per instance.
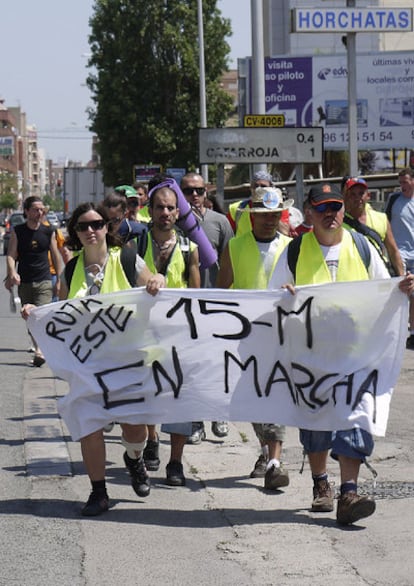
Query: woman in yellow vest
(98, 269)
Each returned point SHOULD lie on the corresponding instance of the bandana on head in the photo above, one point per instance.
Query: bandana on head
(262, 176)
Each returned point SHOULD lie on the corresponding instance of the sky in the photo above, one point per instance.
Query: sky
(43, 69)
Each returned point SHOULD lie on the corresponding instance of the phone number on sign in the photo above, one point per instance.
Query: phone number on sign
(362, 136)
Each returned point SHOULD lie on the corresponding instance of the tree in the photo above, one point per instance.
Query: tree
(8, 191)
(145, 82)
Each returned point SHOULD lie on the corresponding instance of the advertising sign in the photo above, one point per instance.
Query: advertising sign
(146, 172)
(312, 91)
(6, 146)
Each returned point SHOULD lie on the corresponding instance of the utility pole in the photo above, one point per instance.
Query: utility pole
(258, 81)
(352, 99)
(203, 107)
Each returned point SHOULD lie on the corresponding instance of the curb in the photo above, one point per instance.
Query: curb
(45, 446)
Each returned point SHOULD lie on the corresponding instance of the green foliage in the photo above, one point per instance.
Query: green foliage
(54, 203)
(145, 82)
(8, 191)
(8, 201)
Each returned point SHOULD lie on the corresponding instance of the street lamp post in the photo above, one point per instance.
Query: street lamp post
(203, 108)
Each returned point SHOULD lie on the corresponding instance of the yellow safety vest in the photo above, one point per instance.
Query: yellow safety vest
(378, 221)
(312, 269)
(241, 218)
(143, 215)
(176, 269)
(114, 276)
(247, 263)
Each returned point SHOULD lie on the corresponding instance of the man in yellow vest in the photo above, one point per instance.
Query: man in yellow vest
(165, 254)
(360, 216)
(241, 222)
(329, 254)
(247, 263)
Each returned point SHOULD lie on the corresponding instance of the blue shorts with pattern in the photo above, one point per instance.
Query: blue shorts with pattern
(353, 443)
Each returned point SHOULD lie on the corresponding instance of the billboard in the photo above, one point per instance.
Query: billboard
(313, 91)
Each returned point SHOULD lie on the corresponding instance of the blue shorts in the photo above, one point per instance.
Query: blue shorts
(353, 443)
(409, 265)
(180, 428)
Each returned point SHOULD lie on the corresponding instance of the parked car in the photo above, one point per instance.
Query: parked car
(62, 219)
(15, 219)
(53, 220)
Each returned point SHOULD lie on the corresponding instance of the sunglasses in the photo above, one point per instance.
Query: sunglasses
(191, 190)
(332, 206)
(133, 203)
(94, 224)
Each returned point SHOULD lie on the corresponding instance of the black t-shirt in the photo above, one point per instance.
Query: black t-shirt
(32, 253)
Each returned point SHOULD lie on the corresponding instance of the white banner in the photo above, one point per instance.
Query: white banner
(326, 358)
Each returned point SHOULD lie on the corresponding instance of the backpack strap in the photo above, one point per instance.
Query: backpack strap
(128, 258)
(365, 230)
(293, 254)
(69, 270)
(373, 237)
(362, 247)
(184, 244)
(391, 201)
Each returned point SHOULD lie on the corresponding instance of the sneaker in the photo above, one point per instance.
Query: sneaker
(96, 505)
(322, 497)
(139, 477)
(276, 478)
(198, 435)
(352, 507)
(38, 360)
(220, 428)
(151, 455)
(410, 342)
(175, 473)
(259, 469)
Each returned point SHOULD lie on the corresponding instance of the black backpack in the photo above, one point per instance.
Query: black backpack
(391, 201)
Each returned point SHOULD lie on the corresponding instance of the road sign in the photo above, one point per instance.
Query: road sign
(260, 145)
(343, 20)
(262, 121)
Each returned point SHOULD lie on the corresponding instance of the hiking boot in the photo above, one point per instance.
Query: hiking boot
(198, 434)
(151, 455)
(220, 428)
(96, 505)
(259, 469)
(140, 481)
(322, 497)
(175, 473)
(276, 477)
(410, 342)
(352, 507)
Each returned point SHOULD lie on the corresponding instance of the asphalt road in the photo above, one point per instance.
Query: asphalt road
(222, 528)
